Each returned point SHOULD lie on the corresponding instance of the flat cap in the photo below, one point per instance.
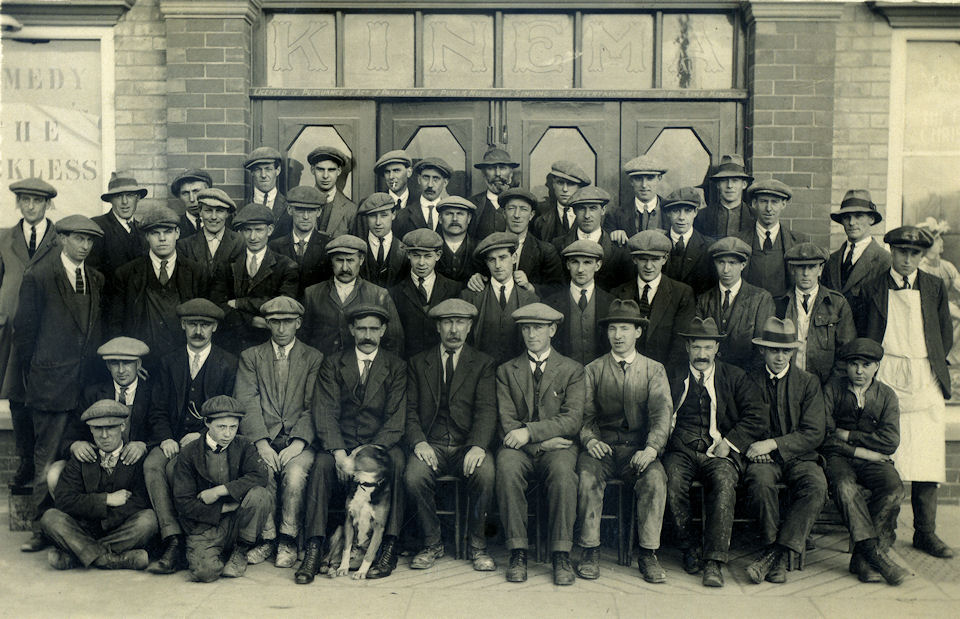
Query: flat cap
(857, 201)
(263, 154)
(368, 309)
(217, 198)
(103, 413)
(649, 243)
(436, 163)
(376, 202)
(685, 196)
(453, 308)
(496, 156)
(627, 311)
(861, 348)
(305, 196)
(771, 187)
(702, 329)
(200, 308)
(251, 215)
(644, 164)
(591, 194)
(570, 171)
(323, 153)
(730, 246)
(34, 187)
(909, 236)
(536, 313)
(190, 176)
(731, 166)
(497, 240)
(456, 202)
(806, 253)
(346, 244)
(79, 223)
(583, 247)
(160, 217)
(392, 156)
(422, 239)
(778, 333)
(282, 306)
(221, 406)
(520, 194)
(123, 349)
(121, 182)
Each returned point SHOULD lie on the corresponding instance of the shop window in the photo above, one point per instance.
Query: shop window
(440, 142)
(310, 138)
(684, 156)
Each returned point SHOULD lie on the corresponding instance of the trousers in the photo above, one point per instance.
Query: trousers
(88, 542)
(865, 518)
(205, 549)
(48, 429)
(292, 483)
(158, 476)
(808, 491)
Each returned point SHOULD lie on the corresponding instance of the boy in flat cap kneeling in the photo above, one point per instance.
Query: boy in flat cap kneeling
(220, 492)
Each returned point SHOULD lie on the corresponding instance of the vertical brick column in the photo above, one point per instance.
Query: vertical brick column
(789, 128)
(208, 81)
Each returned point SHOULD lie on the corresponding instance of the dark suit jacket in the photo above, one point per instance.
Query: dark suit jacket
(617, 265)
(395, 265)
(937, 328)
(672, 309)
(624, 217)
(750, 309)
(117, 246)
(337, 216)
(707, 223)
(876, 426)
(473, 396)
(457, 266)
(187, 228)
(479, 300)
(694, 267)
(313, 267)
(419, 330)
(540, 261)
(81, 493)
(195, 248)
(487, 219)
(245, 469)
(410, 218)
(547, 226)
(283, 223)
(563, 302)
(343, 419)
(274, 410)
(831, 326)
(325, 317)
(55, 345)
(776, 277)
(171, 391)
(138, 424)
(874, 260)
(803, 423)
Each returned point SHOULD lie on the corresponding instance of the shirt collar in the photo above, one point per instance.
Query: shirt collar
(496, 287)
(171, 261)
(427, 281)
(344, 289)
(211, 237)
(258, 196)
(424, 203)
(259, 255)
(402, 197)
(330, 195)
(201, 355)
(707, 373)
(40, 227)
(131, 388)
(685, 236)
(374, 240)
(362, 356)
(813, 293)
(645, 206)
(494, 199)
(286, 349)
(212, 444)
(575, 289)
(302, 239)
(762, 232)
(630, 358)
(898, 279)
(456, 353)
(541, 357)
(72, 266)
(654, 285)
(123, 222)
(734, 290)
(594, 236)
(782, 373)
(116, 452)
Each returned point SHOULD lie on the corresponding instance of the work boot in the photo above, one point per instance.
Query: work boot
(286, 552)
(563, 571)
(61, 559)
(171, 558)
(482, 561)
(427, 557)
(931, 544)
(236, 566)
(862, 570)
(691, 560)
(517, 572)
(778, 573)
(310, 564)
(23, 478)
(650, 567)
(127, 560)
(712, 574)
(588, 567)
(261, 552)
(891, 572)
(757, 571)
(387, 562)
(36, 543)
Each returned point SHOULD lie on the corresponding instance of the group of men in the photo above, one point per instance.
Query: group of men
(515, 342)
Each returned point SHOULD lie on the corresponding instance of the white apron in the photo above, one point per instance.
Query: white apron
(905, 368)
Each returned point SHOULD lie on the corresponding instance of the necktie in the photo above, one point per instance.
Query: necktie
(623, 366)
(123, 396)
(108, 462)
(164, 276)
(704, 397)
(767, 242)
(645, 300)
(538, 371)
(365, 372)
(847, 265)
(503, 297)
(380, 252)
(448, 367)
(582, 303)
(32, 246)
(282, 366)
(566, 218)
(194, 365)
(79, 280)
(422, 290)
(906, 283)
(806, 300)
(700, 379)
(430, 224)
(679, 248)
(301, 247)
(725, 306)
(399, 205)
(252, 266)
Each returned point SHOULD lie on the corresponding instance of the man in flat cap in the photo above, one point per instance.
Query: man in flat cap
(386, 260)
(645, 211)
(422, 289)
(667, 305)
(304, 243)
(265, 165)
(863, 432)
(186, 188)
(56, 331)
(497, 167)
(451, 419)
(275, 384)
(582, 336)
(786, 455)
(432, 174)
(718, 414)
(219, 488)
(540, 397)
(122, 238)
(689, 259)
(102, 516)
(495, 332)
(823, 317)
(187, 378)
(861, 257)
(587, 205)
(729, 215)
(395, 167)
(218, 245)
(626, 422)
(328, 165)
(360, 399)
(21, 246)
(771, 238)
(556, 216)
(906, 311)
(739, 309)
(255, 277)
(457, 254)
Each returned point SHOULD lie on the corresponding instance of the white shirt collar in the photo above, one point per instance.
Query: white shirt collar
(131, 390)
(654, 286)
(214, 237)
(734, 290)
(116, 452)
(443, 358)
(495, 285)
(71, 268)
(270, 195)
(171, 263)
(541, 357)
(762, 232)
(344, 290)
(286, 349)
(258, 256)
(453, 245)
(403, 197)
(686, 236)
(375, 241)
(428, 281)
(575, 290)
(494, 199)
(201, 355)
(40, 227)
(212, 444)
(630, 358)
(645, 206)
(782, 373)
(305, 239)
(594, 236)
(362, 356)
(707, 373)
(425, 204)
(813, 296)
(123, 222)
(912, 278)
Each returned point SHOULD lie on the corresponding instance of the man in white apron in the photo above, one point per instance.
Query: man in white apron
(906, 311)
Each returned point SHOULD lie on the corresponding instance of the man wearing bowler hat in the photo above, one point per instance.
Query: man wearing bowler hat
(645, 211)
(395, 167)
(729, 215)
(265, 165)
(787, 455)
(770, 239)
(122, 238)
(304, 243)
(328, 165)
(689, 260)
(386, 260)
(432, 174)
(55, 332)
(555, 216)
(186, 187)
(218, 244)
(497, 167)
(626, 422)
(457, 254)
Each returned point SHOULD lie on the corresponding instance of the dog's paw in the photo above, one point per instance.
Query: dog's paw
(340, 571)
(360, 575)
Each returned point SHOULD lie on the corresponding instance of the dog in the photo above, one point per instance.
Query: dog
(356, 542)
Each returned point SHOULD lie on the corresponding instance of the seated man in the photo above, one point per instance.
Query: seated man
(102, 515)
(360, 399)
(626, 422)
(220, 494)
(863, 432)
(787, 456)
(451, 418)
(540, 397)
(718, 414)
(275, 384)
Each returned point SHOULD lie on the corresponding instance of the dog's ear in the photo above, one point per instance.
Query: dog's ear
(349, 465)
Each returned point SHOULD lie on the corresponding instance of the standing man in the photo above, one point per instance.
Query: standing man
(626, 422)
(122, 240)
(218, 245)
(396, 168)
(770, 240)
(304, 244)
(338, 215)
(730, 216)
(497, 168)
(456, 256)
(540, 396)
(432, 174)
(451, 418)
(56, 331)
(386, 260)
(689, 260)
(360, 399)
(264, 166)
(556, 216)
(645, 212)
(186, 187)
(275, 383)
(21, 246)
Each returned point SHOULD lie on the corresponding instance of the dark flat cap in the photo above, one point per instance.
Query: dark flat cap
(122, 183)
(536, 313)
(367, 309)
(685, 196)
(497, 240)
(160, 217)
(393, 156)
(731, 166)
(200, 308)
(861, 348)
(778, 333)
(436, 163)
(105, 413)
(123, 349)
(221, 406)
(583, 247)
(422, 239)
(570, 171)
(730, 246)
(644, 164)
(591, 194)
(346, 244)
(519, 194)
(376, 202)
(456, 202)
(627, 311)
(305, 196)
(909, 236)
(453, 308)
(79, 223)
(251, 215)
(806, 253)
(771, 187)
(649, 243)
(264, 154)
(190, 176)
(857, 201)
(702, 329)
(217, 198)
(34, 187)
(323, 153)
(496, 156)
(282, 306)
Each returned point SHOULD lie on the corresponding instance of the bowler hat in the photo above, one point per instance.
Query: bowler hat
(497, 240)
(367, 309)
(221, 406)
(731, 166)
(570, 171)
(393, 156)
(160, 217)
(649, 243)
(778, 333)
(909, 236)
(536, 313)
(34, 187)
(322, 153)
(305, 196)
(282, 306)
(122, 183)
(627, 311)
(771, 187)
(123, 349)
(105, 413)
(702, 329)
(496, 156)
(861, 348)
(346, 244)
(79, 223)
(644, 164)
(253, 214)
(190, 176)
(263, 154)
(805, 253)
(422, 239)
(200, 308)
(436, 163)
(730, 246)
(857, 201)
(218, 198)
(453, 308)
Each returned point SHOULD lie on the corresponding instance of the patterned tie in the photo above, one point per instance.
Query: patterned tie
(422, 290)
(365, 372)
(108, 462)
(847, 265)
(252, 266)
(79, 281)
(282, 366)
(164, 277)
(582, 303)
(194, 365)
(123, 396)
(503, 297)
(767, 242)
(645, 300)
(32, 246)
(538, 371)
(806, 301)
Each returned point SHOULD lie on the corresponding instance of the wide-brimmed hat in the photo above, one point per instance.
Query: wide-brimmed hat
(123, 183)
(778, 333)
(731, 166)
(857, 201)
(702, 329)
(496, 156)
(627, 311)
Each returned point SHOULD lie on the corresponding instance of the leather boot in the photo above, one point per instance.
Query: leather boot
(691, 561)
(778, 573)
(36, 543)
(127, 560)
(171, 558)
(311, 562)
(712, 574)
(931, 544)
(387, 562)
(563, 571)
(757, 571)
(517, 572)
(891, 572)
(862, 570)
(23, 478)
(589, 565)
(650, 567)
